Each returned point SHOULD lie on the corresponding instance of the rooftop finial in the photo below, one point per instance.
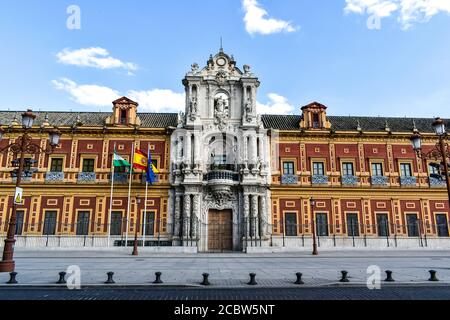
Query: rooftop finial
(221, 44)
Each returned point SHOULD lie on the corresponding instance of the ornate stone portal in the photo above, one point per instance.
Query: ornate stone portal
(220, 158)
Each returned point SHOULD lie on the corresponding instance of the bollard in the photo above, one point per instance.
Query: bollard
(110, 278)
(433, 275)
(12, 278)
(252, 279)
(299, 278)
(389, 276)
(62, 278)
(158, 278)
(205, 280)
(344, 277)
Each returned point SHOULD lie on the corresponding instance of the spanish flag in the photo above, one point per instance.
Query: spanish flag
(140, 160)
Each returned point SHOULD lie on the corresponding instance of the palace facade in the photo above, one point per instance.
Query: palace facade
(229, 179)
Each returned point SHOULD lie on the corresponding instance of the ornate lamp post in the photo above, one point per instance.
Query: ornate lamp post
(313, 204)
(24, 145)
(441, 152)
(135, 247)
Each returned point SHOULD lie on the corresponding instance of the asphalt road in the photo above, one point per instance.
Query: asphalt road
(410, 292)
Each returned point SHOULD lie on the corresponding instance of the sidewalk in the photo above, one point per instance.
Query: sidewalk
(40, 268)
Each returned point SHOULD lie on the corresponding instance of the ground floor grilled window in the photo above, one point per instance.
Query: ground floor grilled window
(413, 225)
(290, 224)
(352, 225)
(322, 224)
(19, 222)
(116, 224)
(382, 225)
(442, 225)
(150, 224)
(83, 223)
(49, 223)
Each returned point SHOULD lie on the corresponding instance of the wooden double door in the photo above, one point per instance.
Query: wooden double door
(220, 231)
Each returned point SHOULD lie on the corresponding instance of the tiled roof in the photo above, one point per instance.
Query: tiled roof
(60, 119)
(350, 123)
(278, 122)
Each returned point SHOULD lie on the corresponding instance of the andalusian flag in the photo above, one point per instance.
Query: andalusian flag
(119, 161)
(140, 160)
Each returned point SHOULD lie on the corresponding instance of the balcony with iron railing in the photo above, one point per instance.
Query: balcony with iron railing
(319, 179)
(51, 177)
(408, 181)
(289, 179)
(349, 180)
(380, 181)
(87, 177)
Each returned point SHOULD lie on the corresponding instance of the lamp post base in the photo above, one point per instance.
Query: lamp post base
(7, 266)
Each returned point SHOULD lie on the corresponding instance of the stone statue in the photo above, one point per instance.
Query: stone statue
(180, 119)
(248, 110)
(193, 109)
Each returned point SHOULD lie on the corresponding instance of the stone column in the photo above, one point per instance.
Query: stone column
(246, 215)
(261, 154)
(254, 214)
(180, 148)
(263, 216)
(187, 216)
(188, 155)
(177, 219)
(195, 215)
(253, 149)
(197, 154)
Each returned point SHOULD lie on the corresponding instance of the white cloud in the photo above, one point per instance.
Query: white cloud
(94, 57)
(159, 100)
(277, 105)
(409, 11)
(155, 100)
(257, 21)
(88, 95)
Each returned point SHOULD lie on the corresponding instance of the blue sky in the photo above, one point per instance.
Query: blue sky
(311, 50)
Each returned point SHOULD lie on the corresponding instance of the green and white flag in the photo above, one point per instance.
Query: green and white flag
(119, 161)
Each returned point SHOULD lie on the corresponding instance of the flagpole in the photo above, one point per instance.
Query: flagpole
(111, 196)
(146, 197)
(129, 194)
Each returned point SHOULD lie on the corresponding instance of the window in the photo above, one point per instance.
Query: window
(116, 224)
(150, 224)
(413, 225)
(221, 159)
(352, 225)
(377, 169)
(83, 223)
(27, 164)
(88, 165)
(155, 163)
(318, 169)
(290, 220)
(316, 123)
(56, 165)
(19, 222)
(433, 170)
(49, 223)
(123, 116)
(347, 169)
(322, 224)
(383, 225)
(288, 168)
(405, 170)
(442, 225)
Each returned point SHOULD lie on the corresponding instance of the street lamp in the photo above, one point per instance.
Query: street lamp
(135, 248)
(441, 151)
(24, 145)
(313, 204)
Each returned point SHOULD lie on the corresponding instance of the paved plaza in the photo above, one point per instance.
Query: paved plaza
(41, 268)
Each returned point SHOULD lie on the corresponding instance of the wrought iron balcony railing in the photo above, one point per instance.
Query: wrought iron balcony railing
(379, 180)
(434, 182)
(87, 177)
(408, 181)
(120, 177)
(349, 180)
(289, 179)
(54, 177)
(222, 175)
(319, 179)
